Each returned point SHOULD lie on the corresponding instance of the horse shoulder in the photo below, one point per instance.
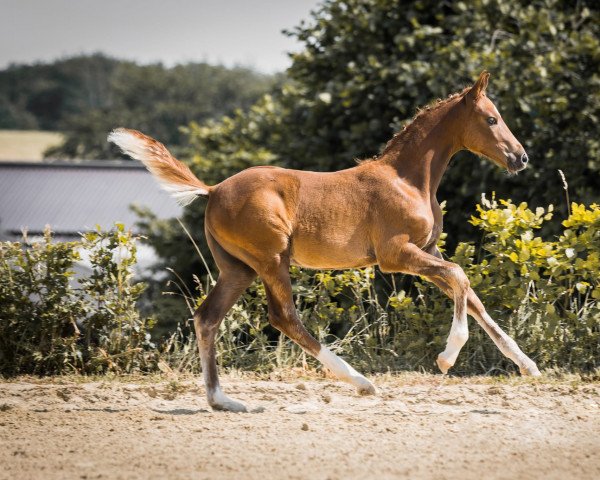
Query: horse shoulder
(402, 210)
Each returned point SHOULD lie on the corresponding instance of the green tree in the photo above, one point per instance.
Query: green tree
(87, 96)
(43, 95)
(366, 65)
(158, 101)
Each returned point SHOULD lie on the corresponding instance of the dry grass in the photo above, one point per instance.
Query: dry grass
(26, 145)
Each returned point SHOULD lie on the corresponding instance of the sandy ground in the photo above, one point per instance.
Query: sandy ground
(418, 426)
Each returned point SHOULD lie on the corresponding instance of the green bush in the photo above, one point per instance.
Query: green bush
(544, 293)
(51, 323)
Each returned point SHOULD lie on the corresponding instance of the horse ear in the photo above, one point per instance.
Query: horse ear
(480, 85)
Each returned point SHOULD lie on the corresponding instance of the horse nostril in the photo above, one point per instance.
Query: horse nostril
(524, 158)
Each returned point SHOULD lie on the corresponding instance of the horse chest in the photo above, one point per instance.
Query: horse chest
(421, 228)
(424, 223)
(413, 219)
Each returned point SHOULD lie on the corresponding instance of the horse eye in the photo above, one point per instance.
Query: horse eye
(492, 120)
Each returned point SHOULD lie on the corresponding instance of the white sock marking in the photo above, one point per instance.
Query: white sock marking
(342, 370)
(459, 334)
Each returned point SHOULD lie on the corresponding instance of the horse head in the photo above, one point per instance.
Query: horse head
(485, 132)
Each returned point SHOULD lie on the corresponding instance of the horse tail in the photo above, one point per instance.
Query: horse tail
(173, 176)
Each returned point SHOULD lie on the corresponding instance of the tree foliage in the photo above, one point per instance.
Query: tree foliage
(367, 65)
(87, 96)
(43, 96)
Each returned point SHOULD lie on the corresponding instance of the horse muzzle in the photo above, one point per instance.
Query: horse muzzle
(515, 162)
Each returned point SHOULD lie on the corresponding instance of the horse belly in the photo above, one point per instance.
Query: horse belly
(334, 252)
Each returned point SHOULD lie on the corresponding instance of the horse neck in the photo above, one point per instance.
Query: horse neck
(424, 149)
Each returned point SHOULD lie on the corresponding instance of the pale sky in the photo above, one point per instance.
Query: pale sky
(229, 32)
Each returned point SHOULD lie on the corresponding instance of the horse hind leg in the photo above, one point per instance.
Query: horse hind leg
(233, 279)
(283, 316)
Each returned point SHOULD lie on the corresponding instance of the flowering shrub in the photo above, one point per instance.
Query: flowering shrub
(546, 293)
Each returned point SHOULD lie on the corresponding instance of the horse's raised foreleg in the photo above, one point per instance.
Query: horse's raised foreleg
(283, 316)
(233, 279)
(408, 258)
(504, 343)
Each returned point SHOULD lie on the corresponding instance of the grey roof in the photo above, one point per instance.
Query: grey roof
(74, 197)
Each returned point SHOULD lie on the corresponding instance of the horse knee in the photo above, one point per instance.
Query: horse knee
(460, 281)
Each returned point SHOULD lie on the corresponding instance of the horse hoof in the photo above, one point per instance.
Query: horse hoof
(366, 388)
(443, 365)
(530, 370)
(228, 405)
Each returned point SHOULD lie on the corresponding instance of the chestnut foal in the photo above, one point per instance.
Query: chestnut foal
(383, 211)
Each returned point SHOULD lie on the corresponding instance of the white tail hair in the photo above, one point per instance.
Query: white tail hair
(173, 176)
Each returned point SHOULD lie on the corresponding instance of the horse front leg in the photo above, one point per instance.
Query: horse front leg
(408, 258)
(505, 343)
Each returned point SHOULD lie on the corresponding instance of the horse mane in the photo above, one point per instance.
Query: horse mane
(400, 136)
